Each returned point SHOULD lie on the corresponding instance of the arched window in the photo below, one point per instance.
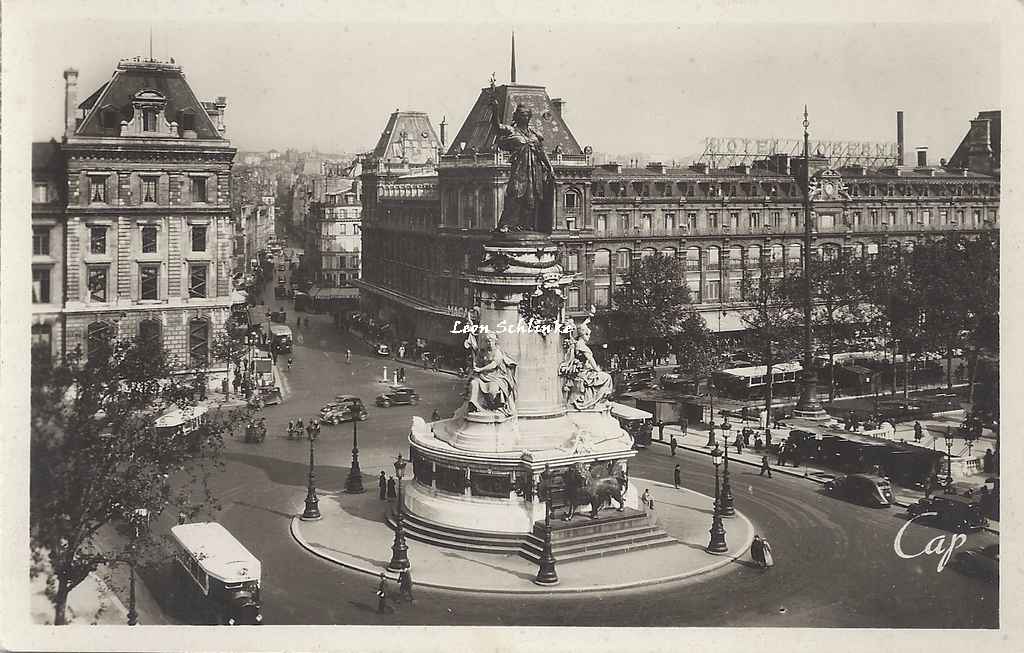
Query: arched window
(754, 257)
(669, 252)
(714, 258)
(198, 342)
(647, 251)
(150, 333)
(622, 259)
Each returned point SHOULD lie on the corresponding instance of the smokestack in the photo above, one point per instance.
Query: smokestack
(899, 138)
(70, 102)
(922, 157)
(558, 103)
(979, 147)
(444, 125)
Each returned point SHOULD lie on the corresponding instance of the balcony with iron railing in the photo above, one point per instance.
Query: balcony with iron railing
(500, 158)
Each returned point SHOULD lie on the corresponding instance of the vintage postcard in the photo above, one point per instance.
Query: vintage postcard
(540, 326)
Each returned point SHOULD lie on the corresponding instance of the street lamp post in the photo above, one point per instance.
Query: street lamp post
(354, 482)
(546, 574)
(399, 549)
(717, 543)
(807, 406)
(312, 511)
(727, 508)
(949, 457)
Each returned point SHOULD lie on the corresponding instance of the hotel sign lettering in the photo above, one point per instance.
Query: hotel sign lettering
(737, 150)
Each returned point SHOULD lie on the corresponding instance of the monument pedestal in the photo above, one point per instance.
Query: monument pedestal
(477, 471)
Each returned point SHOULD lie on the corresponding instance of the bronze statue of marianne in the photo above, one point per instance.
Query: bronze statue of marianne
(530, 190)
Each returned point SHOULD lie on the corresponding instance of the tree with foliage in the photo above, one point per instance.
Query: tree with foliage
(773, 319)
(96, 455)
(653, 307)
(229, 346)
(837, 290)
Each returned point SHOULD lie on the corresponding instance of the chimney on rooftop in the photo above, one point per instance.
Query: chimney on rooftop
(899, 138)
(979, 146)
(558, 103)
(922, 157)
(70, 102)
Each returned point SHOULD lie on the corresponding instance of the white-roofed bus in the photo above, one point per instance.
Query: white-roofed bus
(222, 574)
(634, 421)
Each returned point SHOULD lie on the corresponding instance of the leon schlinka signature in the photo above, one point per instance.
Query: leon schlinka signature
(935, 546)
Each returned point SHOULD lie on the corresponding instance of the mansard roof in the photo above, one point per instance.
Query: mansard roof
(133, 77)
(408, 136)
(477, 131)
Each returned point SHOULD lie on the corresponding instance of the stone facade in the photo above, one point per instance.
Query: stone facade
(148, 234)
(423, 233)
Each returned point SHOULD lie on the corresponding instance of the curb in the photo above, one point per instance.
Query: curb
(721, 561)
(108, 593)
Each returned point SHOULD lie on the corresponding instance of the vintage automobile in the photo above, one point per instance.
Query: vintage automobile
(951, 512)
(221, 573)
(899, 411)
(864, 489)
(979, 561)
(382, 350)
(398, 396)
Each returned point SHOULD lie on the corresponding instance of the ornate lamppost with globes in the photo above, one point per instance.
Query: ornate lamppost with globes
(717, 543)
(399, 549)
(354, 482)
(727, 508)
(546, 574)
(312, 511)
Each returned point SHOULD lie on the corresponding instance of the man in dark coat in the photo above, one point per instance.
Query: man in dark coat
(767, 438)
(382, 486)
(392, 494)
(672, 444)
(757, 550)
(765, 467)
(987, 462)
(677, 477)
(405, 585)
(661, 433)
(782, 454)
(918, 432)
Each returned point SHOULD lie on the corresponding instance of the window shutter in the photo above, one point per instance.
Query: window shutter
(112, 188)
(163, 186)
(135, 185)
(211, 189)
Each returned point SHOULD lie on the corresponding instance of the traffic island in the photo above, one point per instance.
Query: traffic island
(354, 533)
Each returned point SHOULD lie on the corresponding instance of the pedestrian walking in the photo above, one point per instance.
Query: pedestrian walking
(645, 499)
(291, 429)
(758, 443)
(435, 416)
(672, 444)
(738, 443)
(391, 488)
(988, 462)
(661, 433)
(761, 552)
(348, 355)
(299, 428)
(767, 438)
(289, 363)
(263, 429)
(405, 585)
(918, 432)
(765, 467)
(401, 375)
(677, 477)
(382, 486)
(782, 455)
(382, 594)
(298, 321)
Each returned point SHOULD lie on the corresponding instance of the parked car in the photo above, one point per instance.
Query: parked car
(383, 350)
(398, 397)
(861, 488)
(952, 512)
(979, 560)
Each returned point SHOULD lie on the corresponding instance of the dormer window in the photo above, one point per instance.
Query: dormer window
(149, 121)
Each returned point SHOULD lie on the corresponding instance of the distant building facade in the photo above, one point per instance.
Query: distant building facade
(147, 235)
(423, 229)
(48, 201)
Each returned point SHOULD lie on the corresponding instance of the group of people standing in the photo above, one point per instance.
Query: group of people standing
(386, 487)
(297, 428)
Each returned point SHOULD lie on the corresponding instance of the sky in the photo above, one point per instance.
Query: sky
(657, 80)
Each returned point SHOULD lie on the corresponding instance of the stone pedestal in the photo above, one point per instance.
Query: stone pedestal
(477, 471)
